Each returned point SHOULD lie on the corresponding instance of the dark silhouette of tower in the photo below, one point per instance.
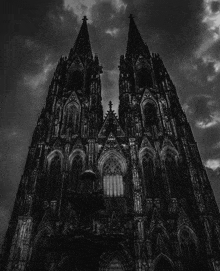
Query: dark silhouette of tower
(113, 193)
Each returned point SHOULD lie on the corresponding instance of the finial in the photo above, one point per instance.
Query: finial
(84, 19)
(110, 105)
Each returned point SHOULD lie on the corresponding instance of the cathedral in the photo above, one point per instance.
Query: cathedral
(124, 192)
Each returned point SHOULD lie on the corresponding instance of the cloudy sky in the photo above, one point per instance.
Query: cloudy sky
(34, 34)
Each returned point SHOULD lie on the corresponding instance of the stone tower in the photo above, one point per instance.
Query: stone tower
(113, 193)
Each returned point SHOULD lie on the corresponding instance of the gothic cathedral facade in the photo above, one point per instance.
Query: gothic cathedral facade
(113, 193)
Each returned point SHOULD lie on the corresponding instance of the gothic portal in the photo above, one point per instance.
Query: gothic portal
(113, 193)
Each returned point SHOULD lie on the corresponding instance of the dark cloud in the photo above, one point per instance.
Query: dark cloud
(108, 48)
(215, 6)
(203, 113)
(215, 184)
(176, 21)
(199, 108)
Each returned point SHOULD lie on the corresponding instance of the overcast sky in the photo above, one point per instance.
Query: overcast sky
(34, 34)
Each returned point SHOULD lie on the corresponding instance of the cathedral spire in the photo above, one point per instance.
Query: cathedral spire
(135, 44)
(82, 46)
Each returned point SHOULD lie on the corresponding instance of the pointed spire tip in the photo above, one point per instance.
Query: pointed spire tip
(82, 44)
(135, 43)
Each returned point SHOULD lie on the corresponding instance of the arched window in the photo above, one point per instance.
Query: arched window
(113, 180)
(115, 265)
(172, 174)
(76, 171)
(150, 114)
(148, 175)
(188, 248)
(71, 119)
(163, 264)
(75, 80)
(55, 178)
(143, 73)
(187, 244)
(144, 78)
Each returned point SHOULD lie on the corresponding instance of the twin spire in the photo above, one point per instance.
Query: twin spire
(82, 46)
(135, 44)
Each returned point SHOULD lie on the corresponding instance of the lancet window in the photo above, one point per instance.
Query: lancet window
(187, 243)
(71, 119)
(148, 174)
(144, 78)
(76, 171)
(55, 178)
(143, 73)
(75, 80)
(172, 174)
(188, 249)
(150, 114)
(113, 181)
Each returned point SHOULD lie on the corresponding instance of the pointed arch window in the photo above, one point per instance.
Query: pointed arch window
(55, 178)
(113, 181)
(172, 174)
(144, 78)
(75, 79)
(150, 114)
(148, 174)
(143, 73)
(189, 253)
(71, 119)
(187, 244)
(187, 241)
(76, 171)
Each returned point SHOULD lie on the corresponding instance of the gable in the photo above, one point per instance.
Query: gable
(73, 98)
(111, 124)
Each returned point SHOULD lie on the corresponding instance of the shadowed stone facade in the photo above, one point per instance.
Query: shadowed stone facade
(113, 193)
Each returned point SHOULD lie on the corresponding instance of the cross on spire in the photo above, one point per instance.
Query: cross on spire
(110, 105)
